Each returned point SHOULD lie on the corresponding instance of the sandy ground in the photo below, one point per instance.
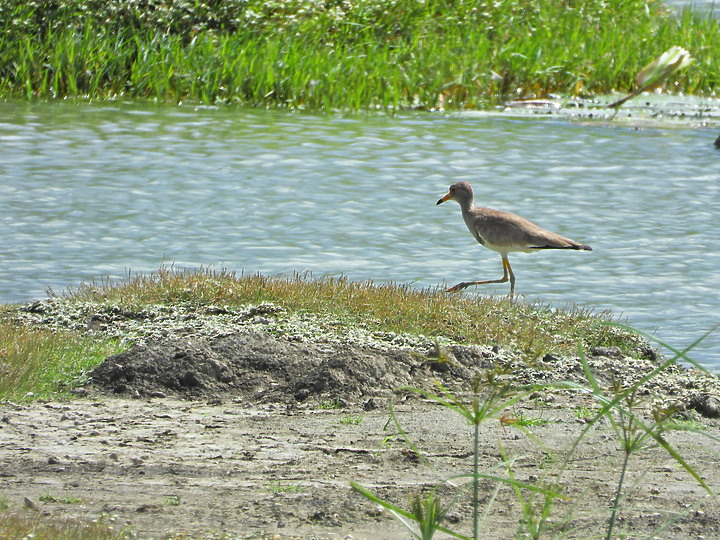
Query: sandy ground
(226, 469)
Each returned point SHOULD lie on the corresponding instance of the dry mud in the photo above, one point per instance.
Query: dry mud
(256, 435)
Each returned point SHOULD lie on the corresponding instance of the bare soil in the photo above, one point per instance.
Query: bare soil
(254, 436)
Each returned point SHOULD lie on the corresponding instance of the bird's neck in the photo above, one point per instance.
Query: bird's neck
(466, 205)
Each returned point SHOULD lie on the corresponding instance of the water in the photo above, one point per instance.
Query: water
(697, 5)
(92, 191)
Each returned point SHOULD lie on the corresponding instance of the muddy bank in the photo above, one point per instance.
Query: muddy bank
(257, 367)
(648, 110)
(248, 425)
(169, 468)
(260, 353)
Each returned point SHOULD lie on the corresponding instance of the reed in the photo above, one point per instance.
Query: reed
(337, 55)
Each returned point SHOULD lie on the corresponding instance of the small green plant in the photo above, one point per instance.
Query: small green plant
(352, 419)
(331, 404)
(49, 498)
(429, 514)
(584, 412)
(520, 420)
(280, 487)
(173, 500)
(426, 514)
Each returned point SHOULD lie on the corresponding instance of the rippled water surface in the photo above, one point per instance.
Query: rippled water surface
(93, 191)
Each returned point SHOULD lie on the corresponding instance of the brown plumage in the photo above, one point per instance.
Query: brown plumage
(503, 232)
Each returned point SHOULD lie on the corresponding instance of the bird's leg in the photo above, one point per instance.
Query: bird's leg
(508, 270)
(507, 273)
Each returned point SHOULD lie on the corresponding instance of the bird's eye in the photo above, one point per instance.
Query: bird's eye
(452, 190)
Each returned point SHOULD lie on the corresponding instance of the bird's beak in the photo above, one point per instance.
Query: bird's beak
(445, 198)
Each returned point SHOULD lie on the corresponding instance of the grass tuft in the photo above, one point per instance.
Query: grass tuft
(533, 330)
(37, 363)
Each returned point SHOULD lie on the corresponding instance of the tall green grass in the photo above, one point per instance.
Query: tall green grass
(363, 55)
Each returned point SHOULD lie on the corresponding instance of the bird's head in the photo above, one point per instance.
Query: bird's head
(460, 192)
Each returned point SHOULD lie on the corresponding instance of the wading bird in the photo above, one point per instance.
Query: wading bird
(502, 232)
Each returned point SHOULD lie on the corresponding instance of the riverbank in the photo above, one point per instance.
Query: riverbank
(253, 435)
(345, 56)
(216, 418)
(98, 320)
(111, 317)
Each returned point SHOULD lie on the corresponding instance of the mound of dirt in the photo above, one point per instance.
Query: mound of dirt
(263, 368)
(259, 367)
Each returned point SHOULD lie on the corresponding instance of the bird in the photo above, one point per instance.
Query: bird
(502, 232)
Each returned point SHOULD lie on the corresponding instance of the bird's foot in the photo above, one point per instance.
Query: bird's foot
(466, 284)
(461, 286)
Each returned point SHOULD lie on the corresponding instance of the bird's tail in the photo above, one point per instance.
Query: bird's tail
(573, 245)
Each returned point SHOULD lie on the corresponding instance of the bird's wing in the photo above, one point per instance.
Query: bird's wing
(506, 230)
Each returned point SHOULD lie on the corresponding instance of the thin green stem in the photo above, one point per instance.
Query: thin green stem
(476, 482)
(618, 495)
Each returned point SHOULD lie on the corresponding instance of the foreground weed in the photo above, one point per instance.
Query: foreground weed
(534, 515)
(490, 399)
(635, 434)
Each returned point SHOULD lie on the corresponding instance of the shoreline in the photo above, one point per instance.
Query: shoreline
(213, 334)
(252, 422)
